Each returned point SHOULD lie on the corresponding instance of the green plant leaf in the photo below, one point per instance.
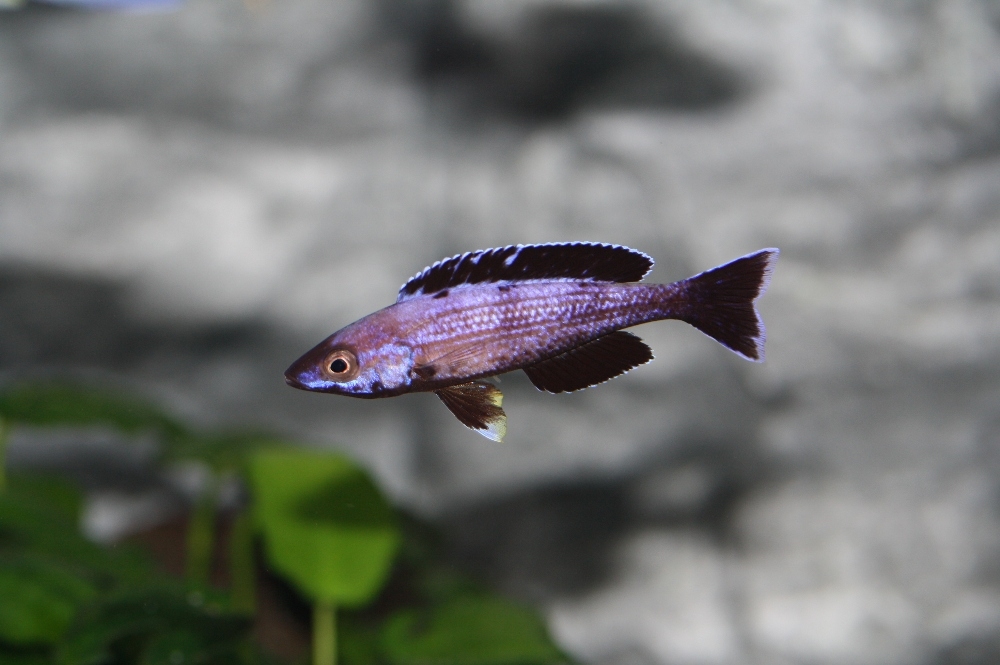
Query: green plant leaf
(49, 493)
(58, 404)
(44, 528)
(174, 647)
(155, 626)
(470, 630)
(357, 641)
(326, 525)
(10, 655)
(222, 451)
(38, 600)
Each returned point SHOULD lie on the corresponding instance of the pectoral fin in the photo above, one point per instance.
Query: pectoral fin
(595, 362)
(477, 406)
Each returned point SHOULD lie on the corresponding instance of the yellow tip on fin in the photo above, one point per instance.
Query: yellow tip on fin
(477, 405)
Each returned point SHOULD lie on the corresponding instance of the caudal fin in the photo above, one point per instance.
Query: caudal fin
(720, 302)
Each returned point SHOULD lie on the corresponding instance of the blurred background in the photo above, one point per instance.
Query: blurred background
(193, 194)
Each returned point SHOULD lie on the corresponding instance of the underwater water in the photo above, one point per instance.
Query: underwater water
(190, 199)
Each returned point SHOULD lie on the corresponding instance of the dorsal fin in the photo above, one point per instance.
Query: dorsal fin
(577, 260)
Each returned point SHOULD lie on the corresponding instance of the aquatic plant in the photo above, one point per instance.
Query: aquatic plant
(328, 529)
(382, 593)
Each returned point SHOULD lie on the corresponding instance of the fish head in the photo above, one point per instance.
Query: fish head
(350, 363)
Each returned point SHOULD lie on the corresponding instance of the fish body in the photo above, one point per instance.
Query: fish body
(477, 331)
(555, 311)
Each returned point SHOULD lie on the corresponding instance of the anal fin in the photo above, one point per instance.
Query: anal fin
(592, 363)
(477, 406)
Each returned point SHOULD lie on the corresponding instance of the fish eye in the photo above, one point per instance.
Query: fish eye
(341, 365)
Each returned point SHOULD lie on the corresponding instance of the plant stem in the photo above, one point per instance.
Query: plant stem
(201, 537)
(4, 431)
(242, 572)
(324, 633)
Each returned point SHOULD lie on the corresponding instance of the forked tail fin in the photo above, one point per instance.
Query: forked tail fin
(720, 302)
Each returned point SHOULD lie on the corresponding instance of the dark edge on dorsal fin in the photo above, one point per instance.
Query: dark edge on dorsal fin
(477, 405)
(596, 262)
(592, 363)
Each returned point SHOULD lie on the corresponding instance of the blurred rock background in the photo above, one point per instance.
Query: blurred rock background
(191, 197)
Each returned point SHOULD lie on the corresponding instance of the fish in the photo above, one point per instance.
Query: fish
(555, 311)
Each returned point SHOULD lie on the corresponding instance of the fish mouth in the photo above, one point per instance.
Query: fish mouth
(298, 375)
(301, 373)
(294, 382)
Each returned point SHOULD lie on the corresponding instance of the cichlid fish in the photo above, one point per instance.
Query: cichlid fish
(555, 311)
